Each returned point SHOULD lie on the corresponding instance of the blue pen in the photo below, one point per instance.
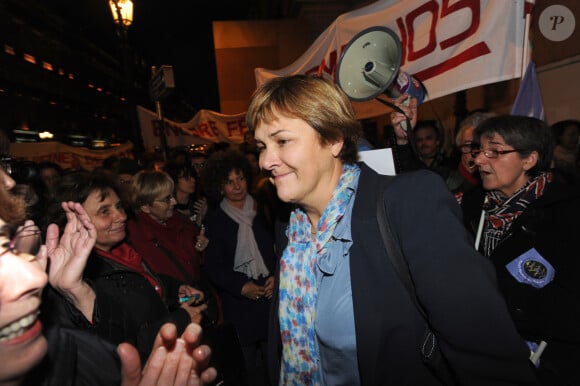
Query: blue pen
(184, 299)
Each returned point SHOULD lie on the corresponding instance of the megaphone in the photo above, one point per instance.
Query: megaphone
(370, 66)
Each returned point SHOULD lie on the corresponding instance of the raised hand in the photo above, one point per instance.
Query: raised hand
(200, 210)
(397, 119)
(68, 257)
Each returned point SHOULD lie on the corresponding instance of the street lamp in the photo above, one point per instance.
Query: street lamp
(122, 11)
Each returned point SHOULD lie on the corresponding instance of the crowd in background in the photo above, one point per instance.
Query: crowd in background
(154, 261)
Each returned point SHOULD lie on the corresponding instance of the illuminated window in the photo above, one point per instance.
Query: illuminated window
(29, 58)
(47, 66)
(9, 50)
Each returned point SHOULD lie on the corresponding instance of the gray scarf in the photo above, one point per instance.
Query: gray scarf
(248, 259)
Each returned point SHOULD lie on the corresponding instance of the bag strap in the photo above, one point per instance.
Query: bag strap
(394, 251)
(173, 259)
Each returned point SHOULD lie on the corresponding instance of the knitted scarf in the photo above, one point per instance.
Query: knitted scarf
(502, 211)
(298, 285)
(248, 259)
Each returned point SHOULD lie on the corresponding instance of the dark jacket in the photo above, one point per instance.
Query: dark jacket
(76, 358)
(127, 308)
(250, 317)
(455, 285)
(552, 313)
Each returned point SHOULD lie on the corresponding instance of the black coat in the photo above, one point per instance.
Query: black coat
(455, 285)
(551, 225)
(76, 358)
(127, 308)
(250, 317)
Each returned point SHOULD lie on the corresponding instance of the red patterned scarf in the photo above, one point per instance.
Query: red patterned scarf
(502, 211)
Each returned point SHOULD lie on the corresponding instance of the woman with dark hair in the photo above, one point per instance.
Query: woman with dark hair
(126, 300)
(342, 315)
(527, 229)
(189, 200)
(240, 256)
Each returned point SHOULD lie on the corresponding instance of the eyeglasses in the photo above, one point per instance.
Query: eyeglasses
(166, 200)
(466, 148)
(492, 153)
(25, 243)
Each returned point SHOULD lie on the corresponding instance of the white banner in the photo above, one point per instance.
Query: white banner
(450, 45)
(205, 127)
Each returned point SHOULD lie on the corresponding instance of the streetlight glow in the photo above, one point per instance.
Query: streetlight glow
(122, 11)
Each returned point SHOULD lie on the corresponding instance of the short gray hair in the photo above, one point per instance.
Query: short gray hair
(472, 120)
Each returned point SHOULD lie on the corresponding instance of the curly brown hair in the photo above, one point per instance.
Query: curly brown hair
(217, 170)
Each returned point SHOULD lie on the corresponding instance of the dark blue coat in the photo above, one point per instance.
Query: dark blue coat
(250, 317)
(454, 283)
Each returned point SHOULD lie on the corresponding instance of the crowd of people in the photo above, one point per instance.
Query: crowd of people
(267, 263)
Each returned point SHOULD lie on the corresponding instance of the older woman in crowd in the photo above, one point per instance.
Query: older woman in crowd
(60, 356)
(240, 256)
(342, 315)
(168, 241)
(120, 297)
(527, 229)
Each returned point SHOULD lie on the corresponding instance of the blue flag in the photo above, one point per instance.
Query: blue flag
(529, 99)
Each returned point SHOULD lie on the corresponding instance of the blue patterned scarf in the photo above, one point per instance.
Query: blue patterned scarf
(298, 286)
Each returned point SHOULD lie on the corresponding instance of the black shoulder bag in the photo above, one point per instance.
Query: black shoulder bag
(429, 348)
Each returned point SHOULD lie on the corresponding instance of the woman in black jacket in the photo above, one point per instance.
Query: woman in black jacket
(528, 228)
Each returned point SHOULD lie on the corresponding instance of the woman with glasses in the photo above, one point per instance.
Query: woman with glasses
(466, 172)
(526, 222)
(169, 242)
(33, 354)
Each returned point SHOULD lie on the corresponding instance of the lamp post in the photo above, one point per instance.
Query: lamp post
(122, 11)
